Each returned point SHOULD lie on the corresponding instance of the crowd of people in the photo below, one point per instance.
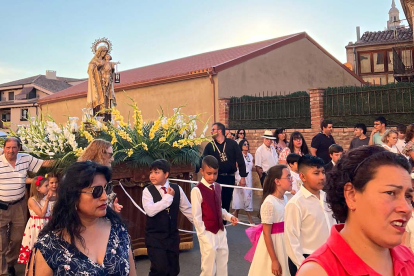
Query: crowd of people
(313, 212)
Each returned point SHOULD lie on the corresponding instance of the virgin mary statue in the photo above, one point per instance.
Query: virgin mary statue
(96, 94)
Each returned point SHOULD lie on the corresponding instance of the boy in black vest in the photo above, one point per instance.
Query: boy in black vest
(208, 220)
(162, 201)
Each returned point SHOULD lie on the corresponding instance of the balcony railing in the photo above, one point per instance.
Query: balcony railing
(403, 63)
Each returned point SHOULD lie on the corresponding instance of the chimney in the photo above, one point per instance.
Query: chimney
(51, 75)
(358, 31)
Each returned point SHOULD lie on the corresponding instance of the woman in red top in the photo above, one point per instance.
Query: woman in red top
(370, 190)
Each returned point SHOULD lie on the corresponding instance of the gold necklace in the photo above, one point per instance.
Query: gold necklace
(223, 156)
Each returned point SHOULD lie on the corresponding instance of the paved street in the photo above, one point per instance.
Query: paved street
(238, 246)
(190, 259)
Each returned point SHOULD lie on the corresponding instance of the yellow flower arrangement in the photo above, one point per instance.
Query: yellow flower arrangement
(88, 136)
(79, 151)
(154, 128)
(124, 135)
(144, 146)
(130, 152)
(138, 122)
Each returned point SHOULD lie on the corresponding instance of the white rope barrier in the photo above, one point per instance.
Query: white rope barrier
(139, 208)
(181, 230)
(222, 185)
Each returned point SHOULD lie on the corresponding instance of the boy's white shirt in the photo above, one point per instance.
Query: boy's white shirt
(196, 200)
(299, 212)
(296, 182)
(152, 208)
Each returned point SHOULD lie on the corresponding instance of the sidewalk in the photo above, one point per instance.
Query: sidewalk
(257, 200)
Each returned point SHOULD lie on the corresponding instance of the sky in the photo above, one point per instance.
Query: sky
(40, 35)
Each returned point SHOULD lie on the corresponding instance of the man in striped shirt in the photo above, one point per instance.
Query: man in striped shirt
(13, 205)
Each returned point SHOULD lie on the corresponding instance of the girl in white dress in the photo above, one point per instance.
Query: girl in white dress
(243, 198)
(40, 211)
(270, 256)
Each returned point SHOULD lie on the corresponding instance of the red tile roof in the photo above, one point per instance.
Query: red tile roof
(384, 37)
(211, 62)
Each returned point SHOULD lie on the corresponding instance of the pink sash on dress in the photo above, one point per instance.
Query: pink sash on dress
(253, 233)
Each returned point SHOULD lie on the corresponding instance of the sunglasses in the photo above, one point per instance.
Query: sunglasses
(245, 144)
(110, 154)
(97, 191)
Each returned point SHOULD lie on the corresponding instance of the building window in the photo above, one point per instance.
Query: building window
(390, 62)
(5, 117)
(24, 114)
(11, 96)
(379, 62)
(32, 94)
(407, 58)
(365, 62)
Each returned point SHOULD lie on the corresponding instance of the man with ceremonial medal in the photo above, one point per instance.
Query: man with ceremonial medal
(228, 153)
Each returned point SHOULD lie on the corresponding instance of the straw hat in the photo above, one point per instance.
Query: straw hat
(269, 135)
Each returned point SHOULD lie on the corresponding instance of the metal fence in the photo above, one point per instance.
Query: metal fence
(346, 106)
(288, 111)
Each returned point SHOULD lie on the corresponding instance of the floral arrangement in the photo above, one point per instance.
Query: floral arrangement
(170, 137)
(46, 139)
(173, 138)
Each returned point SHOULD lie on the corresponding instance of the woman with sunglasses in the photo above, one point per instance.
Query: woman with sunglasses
(297, 144)
(241, 134)
(101, 152)
(243, 198)
(370, 190)
(84, 236)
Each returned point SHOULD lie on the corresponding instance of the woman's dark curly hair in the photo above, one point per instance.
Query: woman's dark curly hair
(357, 166)
(304, 148)
(277, 132)
(241, 143)
(65, 216)
(244, 133)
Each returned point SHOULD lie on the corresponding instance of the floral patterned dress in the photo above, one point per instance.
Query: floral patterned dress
(33, 227)
(65, 259)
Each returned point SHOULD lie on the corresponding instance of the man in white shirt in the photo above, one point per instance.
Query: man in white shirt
(308, 220)
(265, 156)
(13, 204)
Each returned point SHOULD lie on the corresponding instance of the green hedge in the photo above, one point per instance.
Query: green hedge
(347, 106)
(288, 111)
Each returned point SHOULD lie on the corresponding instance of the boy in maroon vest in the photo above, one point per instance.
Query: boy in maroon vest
(208, 220)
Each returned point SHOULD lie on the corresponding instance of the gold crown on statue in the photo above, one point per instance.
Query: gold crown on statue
(99, 41)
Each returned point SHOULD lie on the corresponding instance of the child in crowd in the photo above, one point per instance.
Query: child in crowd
(208, 220)
(39, 209)
(162, 201)
(308, 219)
(292, 161)
(53, 186)
(270, 254)
(335, 152)
(402, 130)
